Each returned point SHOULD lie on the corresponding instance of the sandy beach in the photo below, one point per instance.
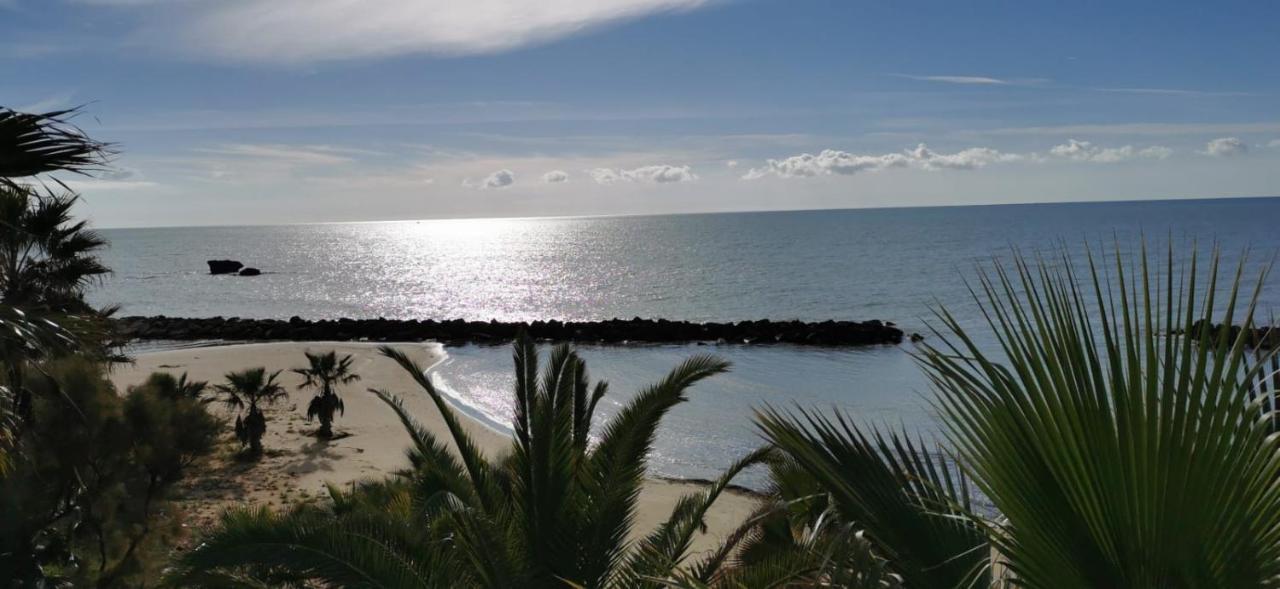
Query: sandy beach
(297, 465)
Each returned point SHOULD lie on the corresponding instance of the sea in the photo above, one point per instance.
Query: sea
(900, 265)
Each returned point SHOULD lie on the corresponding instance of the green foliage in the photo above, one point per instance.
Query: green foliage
(1118, 440)
(246, 392)
(554, 512)
(324, 373)
(32, 144)
(910, 508)
(1114, 431)
(84, 501)
(46, 261)
(46, 258)
(170, 387)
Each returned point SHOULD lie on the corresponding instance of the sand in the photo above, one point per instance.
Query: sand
(297, 466)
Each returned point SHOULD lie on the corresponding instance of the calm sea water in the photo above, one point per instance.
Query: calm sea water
(889, 264)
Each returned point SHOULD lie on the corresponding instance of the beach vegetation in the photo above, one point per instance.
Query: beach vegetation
(324, 373)
(179, 387)
(247, 392)
(87, 500)
(556, 510)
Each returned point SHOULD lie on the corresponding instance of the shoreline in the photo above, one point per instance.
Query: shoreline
(620, 331)
(297, 466)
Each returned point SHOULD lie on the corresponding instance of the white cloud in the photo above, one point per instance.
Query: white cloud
(1225, 147)
(966, 159)
(1085, 151)
(659, 174)
(1273, 143)
(300, 31)
(555, 177)
(731, 163)
(500, 179)
(830, 161)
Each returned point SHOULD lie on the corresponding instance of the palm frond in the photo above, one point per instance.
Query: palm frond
(910, 506)
(1116, 436)
(616, 465)
(664, 550)
(472, 458)
(429, 456)
(32, 144)
(307, 545)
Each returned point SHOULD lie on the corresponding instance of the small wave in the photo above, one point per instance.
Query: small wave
(457, 399)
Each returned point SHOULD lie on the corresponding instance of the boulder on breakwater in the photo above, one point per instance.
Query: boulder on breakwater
(619, 331)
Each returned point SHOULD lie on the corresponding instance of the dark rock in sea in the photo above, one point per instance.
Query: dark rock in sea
(224, 266)
(613, 331)
(250, 272)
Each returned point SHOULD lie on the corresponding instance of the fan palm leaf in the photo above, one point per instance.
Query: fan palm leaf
(1116, 436)
(32, 144)
(911, 508)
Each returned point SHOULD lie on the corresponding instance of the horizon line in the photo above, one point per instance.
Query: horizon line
(713, 212)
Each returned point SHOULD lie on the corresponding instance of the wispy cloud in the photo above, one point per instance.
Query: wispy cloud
(1152, 129)
(1172, 92)
(48, 103)
(289, 154)
(1226, 147)
(975, 80)
(302, 31)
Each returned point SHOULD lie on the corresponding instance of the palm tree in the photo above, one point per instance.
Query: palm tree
(46, 258)
(325, 372)
(247, 391)
(1114, 432)
(555, 511)
(33, 144)
(170, 387)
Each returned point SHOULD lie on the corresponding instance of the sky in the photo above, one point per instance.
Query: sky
(285, 111)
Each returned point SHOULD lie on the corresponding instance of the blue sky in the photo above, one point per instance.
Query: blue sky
(248, 111)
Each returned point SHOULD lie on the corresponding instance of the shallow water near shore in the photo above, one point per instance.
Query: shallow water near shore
(888, 264)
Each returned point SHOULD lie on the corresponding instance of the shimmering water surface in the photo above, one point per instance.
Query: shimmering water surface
(889, 264)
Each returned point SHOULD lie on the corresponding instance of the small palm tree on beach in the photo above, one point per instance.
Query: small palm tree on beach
(554, 511)
(325, 372)
(181, 387)
(247, 391)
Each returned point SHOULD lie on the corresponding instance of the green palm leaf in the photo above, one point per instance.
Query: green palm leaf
(32, 144)
(1116, 436)
(358, 552)
(913, 511)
